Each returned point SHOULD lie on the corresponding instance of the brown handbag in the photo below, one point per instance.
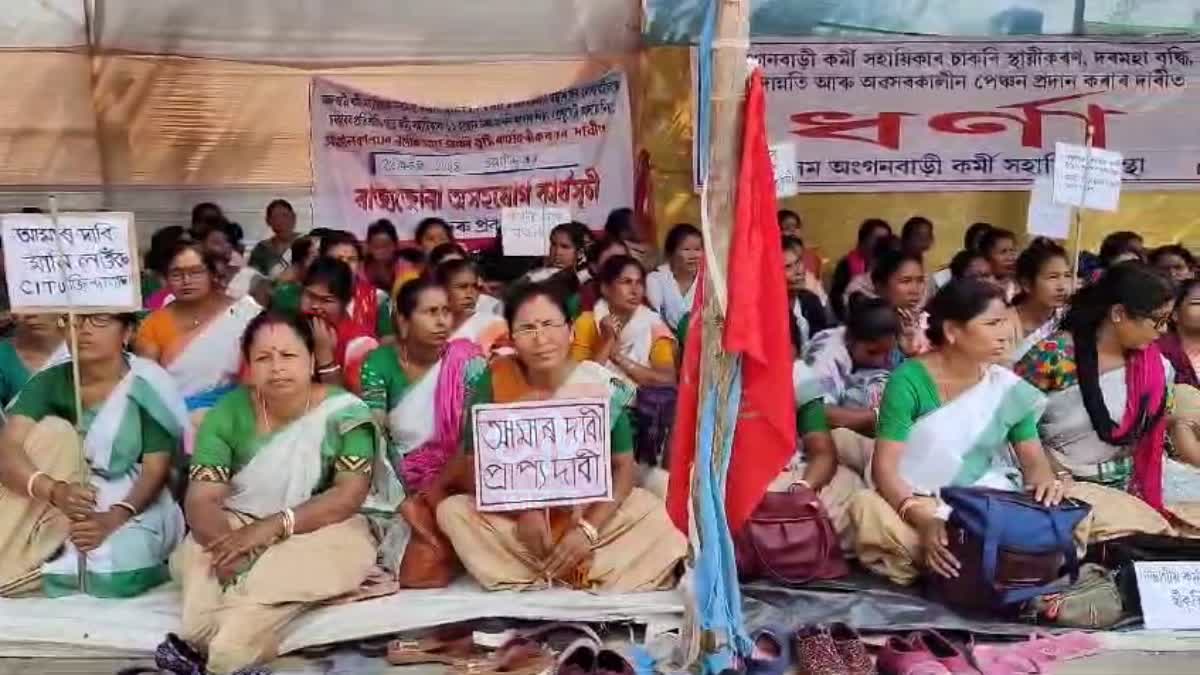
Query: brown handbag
(429, 560)
(789, 540)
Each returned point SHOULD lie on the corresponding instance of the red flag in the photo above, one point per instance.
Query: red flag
(756, 325)
(687, 408)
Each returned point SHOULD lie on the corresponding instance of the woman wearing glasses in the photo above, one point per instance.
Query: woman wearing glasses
(95, 485)
(195, 337)
(1108, 390)
(624, 545)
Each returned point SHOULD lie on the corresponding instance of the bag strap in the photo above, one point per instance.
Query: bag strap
(822, 542)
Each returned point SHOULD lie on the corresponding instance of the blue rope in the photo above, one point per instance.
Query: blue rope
(704, 71)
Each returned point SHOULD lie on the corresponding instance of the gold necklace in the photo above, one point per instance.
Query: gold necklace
(266, 414)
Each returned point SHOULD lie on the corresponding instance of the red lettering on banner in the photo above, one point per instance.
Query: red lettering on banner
(832, 124)
(1030, 119)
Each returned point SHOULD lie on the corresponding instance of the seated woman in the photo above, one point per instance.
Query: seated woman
(94, 486)
(341, 343)
(949, 418)
(1103, 362)
(622, 333)
(815, 464)
(857, 262)
(383, 254)
(1044, 274)
(806, 298)
(851, 363)
(196, 337)
(899, 278)
(273, 255)
(598, 254)
(280, 470)
(285, 298)
(624, 545)
(413, 383)
(671, 288)
(460, 279)
(370, 307)
(36, 343)
(1174, 261)
(969, 264)
(1000, 247)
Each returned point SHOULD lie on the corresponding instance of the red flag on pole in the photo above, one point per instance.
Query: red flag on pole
(687, 410)
(756, 324)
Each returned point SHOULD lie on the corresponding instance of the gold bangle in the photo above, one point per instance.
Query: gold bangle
(29, 484)
(589, 531)
(128, 507)
(906, 505)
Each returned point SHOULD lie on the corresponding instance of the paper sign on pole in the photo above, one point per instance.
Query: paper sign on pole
(1087, 177)
(1170, 594)
(526, 230)
(541, 454)
(1045, 217)
(783, 164)
(86, 263)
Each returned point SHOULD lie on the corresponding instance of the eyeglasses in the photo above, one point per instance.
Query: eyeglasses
(530, 331)
(94, 320)
(184, 274)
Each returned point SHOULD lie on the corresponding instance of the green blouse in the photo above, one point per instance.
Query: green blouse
(51, 393)
(911, 394)
(229, 438)
(384, 382)
(13, 373)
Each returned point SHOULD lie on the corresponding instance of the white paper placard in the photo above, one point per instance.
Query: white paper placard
(525, 231)
(88, 262)
(783, 164)
(1045, 217)
(1102, 169)
(1170, 594)
(542, 453)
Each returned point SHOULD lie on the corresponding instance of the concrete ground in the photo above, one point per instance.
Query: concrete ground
(1110, 663)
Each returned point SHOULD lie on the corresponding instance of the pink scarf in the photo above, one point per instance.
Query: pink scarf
(422, 466)
(1146, 394)
(857, 262)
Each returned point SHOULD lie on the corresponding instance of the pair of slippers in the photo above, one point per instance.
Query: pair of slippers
(1034, 655)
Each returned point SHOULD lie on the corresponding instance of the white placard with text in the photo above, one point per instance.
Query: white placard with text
(541, 454)
(783, 164)
(81, 262)
(525, 231)
(1087, 177)
(1170, 594)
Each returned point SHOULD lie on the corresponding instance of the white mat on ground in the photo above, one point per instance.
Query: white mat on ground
(81, 626)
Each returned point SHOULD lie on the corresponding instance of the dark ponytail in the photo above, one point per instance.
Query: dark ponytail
(959, 301)
(1140, 289)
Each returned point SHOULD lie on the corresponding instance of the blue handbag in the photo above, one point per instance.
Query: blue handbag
(1011, 547)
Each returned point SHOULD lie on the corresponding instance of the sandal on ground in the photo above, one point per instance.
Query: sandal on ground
(451, 651)
(518, 656)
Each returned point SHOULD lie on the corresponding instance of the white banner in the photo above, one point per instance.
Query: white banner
(980, 115)
(377, 158)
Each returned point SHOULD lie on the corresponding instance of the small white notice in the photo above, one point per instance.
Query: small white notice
(526, 230)
(1047, 218)
(80, 262)
(541, 454)
(1170, 593)
(1087, 177)
(783, 164)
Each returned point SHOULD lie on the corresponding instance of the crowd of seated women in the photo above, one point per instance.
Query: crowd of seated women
(271, 431)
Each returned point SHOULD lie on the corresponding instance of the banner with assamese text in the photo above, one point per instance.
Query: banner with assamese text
(980, 115)
(377, 158)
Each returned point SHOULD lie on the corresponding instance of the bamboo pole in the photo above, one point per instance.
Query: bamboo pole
(727, 98)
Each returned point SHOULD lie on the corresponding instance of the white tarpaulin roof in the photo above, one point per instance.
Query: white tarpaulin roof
(173, 102)
(327, 30)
